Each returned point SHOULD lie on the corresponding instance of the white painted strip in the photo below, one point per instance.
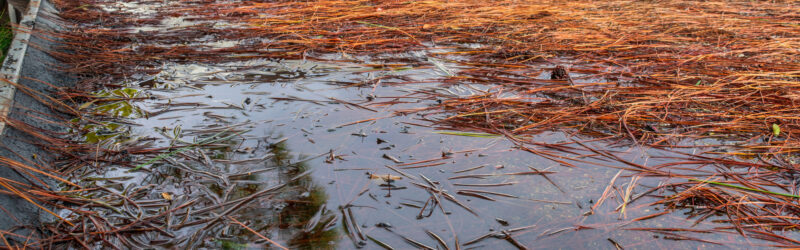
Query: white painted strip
(12, 14)
(12, 66)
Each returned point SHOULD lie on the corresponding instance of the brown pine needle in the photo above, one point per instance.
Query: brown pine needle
(257, 234)
(606, 192)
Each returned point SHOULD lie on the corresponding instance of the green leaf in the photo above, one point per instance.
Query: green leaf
(776, 129)
(86, 105)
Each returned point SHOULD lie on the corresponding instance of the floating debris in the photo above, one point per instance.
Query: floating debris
(391, 158)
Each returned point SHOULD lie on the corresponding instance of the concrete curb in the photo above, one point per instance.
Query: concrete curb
(28, 65)
(12, 66)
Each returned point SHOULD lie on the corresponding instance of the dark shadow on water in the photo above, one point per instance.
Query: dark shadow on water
(290, 212)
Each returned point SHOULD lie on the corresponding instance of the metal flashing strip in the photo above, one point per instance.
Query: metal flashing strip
(12, 66)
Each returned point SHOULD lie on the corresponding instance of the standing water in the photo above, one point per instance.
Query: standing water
(332, 152)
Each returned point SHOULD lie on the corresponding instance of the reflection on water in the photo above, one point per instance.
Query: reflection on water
(293, 209)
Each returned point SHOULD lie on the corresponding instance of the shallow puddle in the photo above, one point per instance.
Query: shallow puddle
(375, 174)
